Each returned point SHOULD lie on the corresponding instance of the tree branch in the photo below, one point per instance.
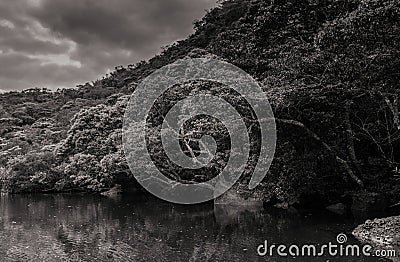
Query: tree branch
(341, 161)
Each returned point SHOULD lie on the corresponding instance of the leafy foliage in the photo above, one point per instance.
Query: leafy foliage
(331, 65)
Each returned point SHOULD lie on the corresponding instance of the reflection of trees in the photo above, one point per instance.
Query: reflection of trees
(83, 228)
(18, 243)
(135, 228)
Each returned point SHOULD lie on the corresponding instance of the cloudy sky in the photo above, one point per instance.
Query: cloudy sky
(62, 43)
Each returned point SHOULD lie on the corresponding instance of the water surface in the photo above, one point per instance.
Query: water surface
(142, 228)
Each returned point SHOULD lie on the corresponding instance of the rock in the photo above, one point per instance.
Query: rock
(115, 191)
(238, 196)
(283, 205)
(381, 233)
(233, 204)
(338, 208)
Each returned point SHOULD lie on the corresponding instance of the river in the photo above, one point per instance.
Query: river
(79, 227)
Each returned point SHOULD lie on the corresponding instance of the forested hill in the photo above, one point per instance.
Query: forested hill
(329, 67)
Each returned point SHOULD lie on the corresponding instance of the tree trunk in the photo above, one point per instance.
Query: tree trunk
(350, 141)
(341, 161)
(394, 108)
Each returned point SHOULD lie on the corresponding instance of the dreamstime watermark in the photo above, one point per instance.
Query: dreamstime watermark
(332, 249)
(176, 129)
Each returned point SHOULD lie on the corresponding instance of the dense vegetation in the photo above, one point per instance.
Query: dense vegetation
(329, 67)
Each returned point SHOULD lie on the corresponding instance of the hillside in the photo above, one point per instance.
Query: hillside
(330, 69)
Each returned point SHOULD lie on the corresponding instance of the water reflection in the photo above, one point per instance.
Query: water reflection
(142, 228)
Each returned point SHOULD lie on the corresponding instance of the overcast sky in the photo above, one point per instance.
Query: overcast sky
(62, 43)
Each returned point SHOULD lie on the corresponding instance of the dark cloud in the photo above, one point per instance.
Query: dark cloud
(25, 41)
(22, 71)
(53, 43)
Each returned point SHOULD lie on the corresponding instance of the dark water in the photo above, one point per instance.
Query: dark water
(142, 228)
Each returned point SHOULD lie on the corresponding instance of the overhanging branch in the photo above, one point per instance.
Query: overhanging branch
(340, 160)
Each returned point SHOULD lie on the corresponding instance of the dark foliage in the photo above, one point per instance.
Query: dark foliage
(329, 67)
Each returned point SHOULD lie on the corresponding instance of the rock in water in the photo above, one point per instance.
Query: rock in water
(115, 191)
(339, 208)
